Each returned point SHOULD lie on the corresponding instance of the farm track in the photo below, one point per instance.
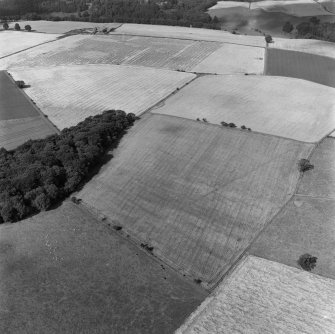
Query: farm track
(197, 219)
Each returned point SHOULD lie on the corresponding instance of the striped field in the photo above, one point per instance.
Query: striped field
(301, 65)
(266, 297)
(69, 94)
(197, 193)
(285, 107)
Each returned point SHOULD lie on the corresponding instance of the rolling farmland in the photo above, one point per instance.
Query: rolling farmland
(320, 182)
(261, 296)
(279, 106)
(305, 226)
(64, 272)
(301, 65)
(69, 94)
(17, 131)
(16, 41)
(195, 192)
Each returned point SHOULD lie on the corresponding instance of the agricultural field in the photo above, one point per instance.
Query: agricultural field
(328, 5)
(274, 105)
(69, 94)
(320, 182)
(197, 34)
(166, 53)
(197, 193)
(305, 226)
(231, 58)
(15, 132)
(62, 27)
(16, 41)
(314, 46)
(300, 8)
(64, 272)
(261, 296)
(300, 65)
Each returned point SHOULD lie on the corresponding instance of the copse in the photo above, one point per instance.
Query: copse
(42, 172)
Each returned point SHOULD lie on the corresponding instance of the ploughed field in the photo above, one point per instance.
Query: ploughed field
(19, 119)
(69, 94)
(174, 54)
(262, 296)
(15, 41)
(64, 272)
(288, 63)
(197, 193)
(279, 106)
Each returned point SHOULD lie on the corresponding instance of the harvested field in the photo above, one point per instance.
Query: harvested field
(314, 46)
(279, 106)
(17, 131)
(63, 27)
(261, 296)
(69, 94)
(232, 58)
(13, 103)
(320, 182)
(195, 192)
(301, 65)
(197, 34)
(305, 226)
(16, 41)
(300, 8)
(166, 53)
(64, 272)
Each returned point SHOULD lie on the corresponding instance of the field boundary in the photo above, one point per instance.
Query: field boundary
(187, 39)
(40, 113)
(125, 234)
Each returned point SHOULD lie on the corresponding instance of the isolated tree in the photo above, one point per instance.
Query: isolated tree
(307, 262)
(305, 165)
(5, 26)
(268, 39)
(17, 26)
(288, 27)
(27, 27)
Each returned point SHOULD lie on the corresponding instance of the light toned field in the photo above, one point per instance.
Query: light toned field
(69, 94)
(15, 41)
(17, 131)
(197, 193)
(231, 59)
(64, 272)
(292, 7)
(285, 107)
(306, 225)
(261, 296)
(189, 33)
(166, 53)
(229, 4)
(332, 134)
(321, 48)
(320, 182)
(328, 5)
(62, 27)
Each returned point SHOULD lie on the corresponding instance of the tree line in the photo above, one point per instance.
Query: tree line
(40, 173)
(169, 12)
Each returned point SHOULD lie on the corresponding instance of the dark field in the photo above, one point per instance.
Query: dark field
(306, 225)
(13, 104)
(300, 65)
(63, 272)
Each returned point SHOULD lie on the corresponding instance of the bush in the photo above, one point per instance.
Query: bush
(305, 165)
(17, 26)
(307, 262)
(27, 27)
(268, 39)
(5, 26)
